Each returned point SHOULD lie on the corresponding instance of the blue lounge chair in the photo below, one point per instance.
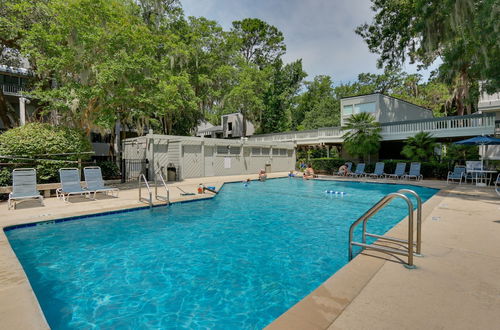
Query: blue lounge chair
(414, 172)
(360, 170)
(23, 186)
(378, 172)
(457, 174)
(70, 184)
(94, 181)
(398, 172)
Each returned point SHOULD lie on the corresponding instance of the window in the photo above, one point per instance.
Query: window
(364, 107)
(229, 126)
(347, 109)
(222, 150)
(283, 152)
(255, 151)
(276, 152)
(265, 151)
(234, 150)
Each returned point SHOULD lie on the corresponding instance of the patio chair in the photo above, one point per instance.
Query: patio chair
(472, 165)
(70, 184)
(398, 172)
(457, 174)
(349, 167)
(95, 183)
(23, 186)
(414, 172)
(360, 170)
(497, 184)
(378, 172)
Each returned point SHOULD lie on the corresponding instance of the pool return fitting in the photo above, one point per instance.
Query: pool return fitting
(410, 243)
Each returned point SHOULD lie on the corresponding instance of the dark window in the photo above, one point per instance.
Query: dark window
(229, 126)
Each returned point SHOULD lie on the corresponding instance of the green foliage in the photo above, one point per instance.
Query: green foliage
(362, 138)
(463, 34)
(42, 142)
(325, 165)
(109, 170)
(420, 147)
(461, 153)
(317, 105)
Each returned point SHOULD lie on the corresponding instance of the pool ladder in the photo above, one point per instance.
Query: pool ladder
(406, 251)
(158, 174)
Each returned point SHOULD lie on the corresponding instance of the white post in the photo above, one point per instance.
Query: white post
(22, 111)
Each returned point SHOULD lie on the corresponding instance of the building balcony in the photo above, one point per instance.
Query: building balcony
(446, 127)
(14, 90)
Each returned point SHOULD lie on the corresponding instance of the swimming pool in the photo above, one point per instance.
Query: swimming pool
(236, 261)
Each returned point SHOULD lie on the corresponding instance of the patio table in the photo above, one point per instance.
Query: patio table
(483, 177)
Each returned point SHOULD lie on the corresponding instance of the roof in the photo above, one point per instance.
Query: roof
(389, 96)
(211, 129)
(13, 70)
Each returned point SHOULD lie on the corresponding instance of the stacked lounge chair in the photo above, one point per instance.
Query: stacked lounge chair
(398, 172)
(414, 172)
(95, 183)
(378, 172)
(23, 186)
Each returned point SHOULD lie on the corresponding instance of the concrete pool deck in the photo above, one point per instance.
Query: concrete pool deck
(454, 286)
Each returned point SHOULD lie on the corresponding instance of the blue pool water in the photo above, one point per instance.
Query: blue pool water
(237, 261)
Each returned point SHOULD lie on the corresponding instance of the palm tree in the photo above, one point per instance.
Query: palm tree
(363, 135)
(420, 147)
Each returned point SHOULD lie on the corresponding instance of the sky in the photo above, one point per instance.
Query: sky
(320, 32)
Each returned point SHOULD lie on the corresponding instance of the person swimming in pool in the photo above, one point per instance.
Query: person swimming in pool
(262, 175)
(309, 172)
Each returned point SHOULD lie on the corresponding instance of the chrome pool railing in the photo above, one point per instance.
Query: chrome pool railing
(159, 173)
(141, 178)
(410, 243)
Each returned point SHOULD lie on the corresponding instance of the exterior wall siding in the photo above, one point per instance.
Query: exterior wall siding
(197, 157)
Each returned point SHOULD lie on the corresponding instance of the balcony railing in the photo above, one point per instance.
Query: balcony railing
(9, 89)
(469, 125)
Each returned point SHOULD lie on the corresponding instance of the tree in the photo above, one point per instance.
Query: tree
(259, 42)
(317, 106)
(279, 97)
(462, 33)
(362, 137)
(420, 147)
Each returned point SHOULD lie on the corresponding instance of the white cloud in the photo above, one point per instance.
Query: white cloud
(321, 32)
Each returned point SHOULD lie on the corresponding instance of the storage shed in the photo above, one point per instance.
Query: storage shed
(183, 157)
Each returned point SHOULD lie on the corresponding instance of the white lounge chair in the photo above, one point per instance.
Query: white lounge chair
(23, 186)
(70, 184)
(95, 183)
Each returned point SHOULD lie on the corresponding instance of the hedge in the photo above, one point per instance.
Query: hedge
(37, 145)
(434, 169)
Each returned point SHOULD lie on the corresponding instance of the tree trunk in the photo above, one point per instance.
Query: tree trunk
(7, 123)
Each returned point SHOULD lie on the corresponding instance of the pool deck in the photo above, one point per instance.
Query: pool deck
(455, 284)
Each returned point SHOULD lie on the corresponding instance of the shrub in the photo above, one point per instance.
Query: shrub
(325, 165)
(41, 145)
(109, 170)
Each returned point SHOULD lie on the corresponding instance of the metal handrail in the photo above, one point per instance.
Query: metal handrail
(158, 197)
(368, 214)
(142, 177)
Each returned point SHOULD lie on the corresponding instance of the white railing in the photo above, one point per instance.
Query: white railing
(439, 127)
(12, 89)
